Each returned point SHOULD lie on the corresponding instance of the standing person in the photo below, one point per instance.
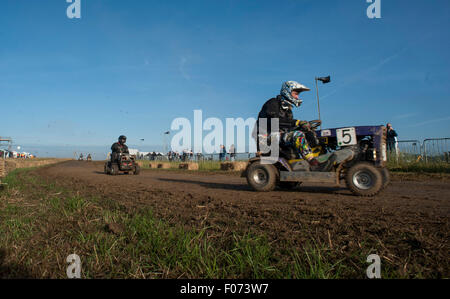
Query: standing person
(391, 138)
(223, 152)
(232, 153)
(220, 153)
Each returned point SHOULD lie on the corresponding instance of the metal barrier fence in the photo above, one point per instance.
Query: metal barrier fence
(408, 150)
(201, 158)
(430, 150)
(228, 157)
(436, 149)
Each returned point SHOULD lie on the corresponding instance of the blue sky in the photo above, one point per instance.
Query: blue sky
(131, 67)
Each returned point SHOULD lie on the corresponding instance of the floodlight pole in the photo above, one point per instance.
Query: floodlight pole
(166, 146)
(318, 103)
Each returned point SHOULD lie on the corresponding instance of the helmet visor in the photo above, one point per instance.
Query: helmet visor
(300, 90)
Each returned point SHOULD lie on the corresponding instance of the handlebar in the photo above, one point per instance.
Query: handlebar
(310, 125)
(315, 124)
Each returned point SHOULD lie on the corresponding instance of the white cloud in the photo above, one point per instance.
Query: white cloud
(182, 69)
(403, 116)
(431, 121)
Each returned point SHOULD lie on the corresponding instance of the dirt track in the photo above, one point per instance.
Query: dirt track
(407, 224)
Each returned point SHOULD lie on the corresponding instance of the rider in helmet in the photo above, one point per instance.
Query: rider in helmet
(291, 130)
(118, 148)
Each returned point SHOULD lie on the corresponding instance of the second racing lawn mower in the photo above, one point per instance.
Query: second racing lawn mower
(125, 163)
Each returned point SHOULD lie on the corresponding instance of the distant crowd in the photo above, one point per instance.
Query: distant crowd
(189, 155)
(7, 154)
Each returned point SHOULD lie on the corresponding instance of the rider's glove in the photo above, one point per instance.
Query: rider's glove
(304, 125)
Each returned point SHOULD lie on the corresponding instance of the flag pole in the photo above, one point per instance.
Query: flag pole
(318, 103)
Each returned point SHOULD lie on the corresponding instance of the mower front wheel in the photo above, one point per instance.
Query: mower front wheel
(114, 170)
(262, 177)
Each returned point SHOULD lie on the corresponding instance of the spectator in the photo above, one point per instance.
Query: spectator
(391, 139)
(220, 153)
(232, 153)
(223, 152)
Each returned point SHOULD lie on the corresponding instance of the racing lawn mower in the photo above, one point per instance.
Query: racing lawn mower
(356, 155)
(125, 163)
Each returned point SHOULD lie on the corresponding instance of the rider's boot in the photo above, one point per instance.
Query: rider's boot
(322, 166)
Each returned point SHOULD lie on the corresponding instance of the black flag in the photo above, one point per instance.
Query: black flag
(325, 79)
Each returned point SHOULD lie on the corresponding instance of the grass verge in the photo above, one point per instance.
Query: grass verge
(403, 166)
(202, 165)
(41, 224)
(419, 167)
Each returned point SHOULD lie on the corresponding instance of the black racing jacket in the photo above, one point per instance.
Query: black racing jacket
(272, 109)
(119, 148)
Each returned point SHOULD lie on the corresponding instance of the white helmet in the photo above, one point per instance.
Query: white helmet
(288, 87)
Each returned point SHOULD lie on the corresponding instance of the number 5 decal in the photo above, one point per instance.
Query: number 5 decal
(346, 136)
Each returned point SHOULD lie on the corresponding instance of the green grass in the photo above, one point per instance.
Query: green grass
(313, 263)
(42, 223)
(45, 223)
(404, 164)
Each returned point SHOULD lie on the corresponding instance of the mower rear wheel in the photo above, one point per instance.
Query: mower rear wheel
(137, 169)
(386, 177)
(364, 179)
